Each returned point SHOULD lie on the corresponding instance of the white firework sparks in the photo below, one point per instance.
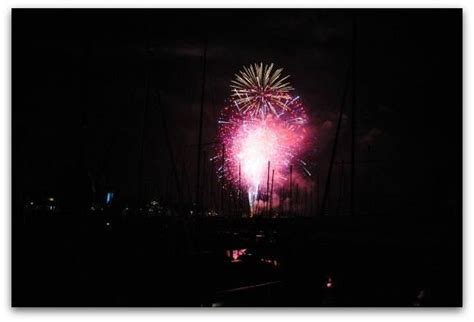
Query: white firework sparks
(259, 90)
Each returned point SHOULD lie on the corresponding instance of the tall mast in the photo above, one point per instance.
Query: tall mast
(291, 190)
(268, 187)
(353, 113)
(271, 191)
(338, 129)
(145, 117)
(164, 125)
(201, 112)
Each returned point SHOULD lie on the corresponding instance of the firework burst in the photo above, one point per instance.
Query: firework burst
(261, 124)
(258, 90)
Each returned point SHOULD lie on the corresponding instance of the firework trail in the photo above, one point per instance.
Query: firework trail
(261, 123)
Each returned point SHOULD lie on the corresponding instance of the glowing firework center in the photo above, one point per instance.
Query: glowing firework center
(262, 130)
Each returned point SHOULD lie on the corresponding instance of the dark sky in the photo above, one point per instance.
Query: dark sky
(79, 80)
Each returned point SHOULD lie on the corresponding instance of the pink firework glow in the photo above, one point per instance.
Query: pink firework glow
(269, 131)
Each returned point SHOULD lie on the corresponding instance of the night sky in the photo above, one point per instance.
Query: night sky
(96, 94)
(79, 84)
